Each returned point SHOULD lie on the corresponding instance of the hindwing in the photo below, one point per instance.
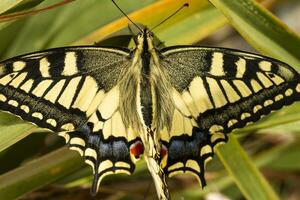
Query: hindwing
(216, 91)
(104, 141)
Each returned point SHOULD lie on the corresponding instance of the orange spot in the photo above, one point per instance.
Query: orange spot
(163, 151)
(137, 149)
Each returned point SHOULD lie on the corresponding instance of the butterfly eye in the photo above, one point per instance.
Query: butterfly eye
(150, 34)
(139, 36)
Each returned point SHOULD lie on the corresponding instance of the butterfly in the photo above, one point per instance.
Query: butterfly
(171, 106)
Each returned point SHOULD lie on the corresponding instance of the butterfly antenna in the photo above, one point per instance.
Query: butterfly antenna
(126, 15)
(179, 9)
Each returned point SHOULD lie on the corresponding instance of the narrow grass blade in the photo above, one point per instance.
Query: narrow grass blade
(261, 29)
(246, 176)
(38, 173)
(5, 5)
(13, 129)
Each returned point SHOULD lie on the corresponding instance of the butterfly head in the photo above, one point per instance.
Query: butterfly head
(144, 39)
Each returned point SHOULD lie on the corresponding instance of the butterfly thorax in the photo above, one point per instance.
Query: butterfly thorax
(142, 86)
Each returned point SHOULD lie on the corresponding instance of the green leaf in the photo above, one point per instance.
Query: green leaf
(189, 26)
(246, 176)
(61, 28)
(13, 130)
(287, 159)
(38, 173)
(5, 5)
(261, 29)
(24, 5)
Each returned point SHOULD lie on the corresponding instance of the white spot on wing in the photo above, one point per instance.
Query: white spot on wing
(13, 103)
(245, 115)
(242, 87)
(52, 122)
(95, 102)
(110, 103)
(65, 135)
(44, 67)
(205, 150)
(217, 94)
(6, 79)
(86, 95)
(68, 127)
(255, 85)
(264, 80)
(107, 129)
(275, 78)
(257, 108)
(288, 92)
(18, 65)
(40, 89)
(26, 87)
(118, 128)
(25, 108)
(55, 91)
(18, 80)
(177, 124)
(268, 102)
(278, 97)
(77, 141)
(189, 101)
(230, 92)
(231, 122)
(3, 98)
(70, 67)
(79, 150)
(91, 153)
(217, 64)
(98, 126)
(265, 65)
(175, 166)
(193, 165)
(199, 94)
(215, 128)
(188, 128)
(179, 103)
(298, 87)
(37, 115)
(106, 164)
(241, 67)
(69, 92)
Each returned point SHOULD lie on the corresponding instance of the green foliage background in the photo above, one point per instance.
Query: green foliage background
(240, 168)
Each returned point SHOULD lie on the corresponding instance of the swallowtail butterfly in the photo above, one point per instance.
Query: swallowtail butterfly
(171, 105)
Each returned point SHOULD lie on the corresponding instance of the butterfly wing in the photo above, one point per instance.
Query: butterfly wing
(73, 91)
(215, 91)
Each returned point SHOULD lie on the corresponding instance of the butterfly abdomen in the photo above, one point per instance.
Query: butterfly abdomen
(145, 87)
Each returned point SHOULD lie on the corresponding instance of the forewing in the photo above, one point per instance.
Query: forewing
(216, 91)
(55, 89)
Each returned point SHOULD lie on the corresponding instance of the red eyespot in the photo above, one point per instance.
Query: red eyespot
(137, 149)
(163, 151)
